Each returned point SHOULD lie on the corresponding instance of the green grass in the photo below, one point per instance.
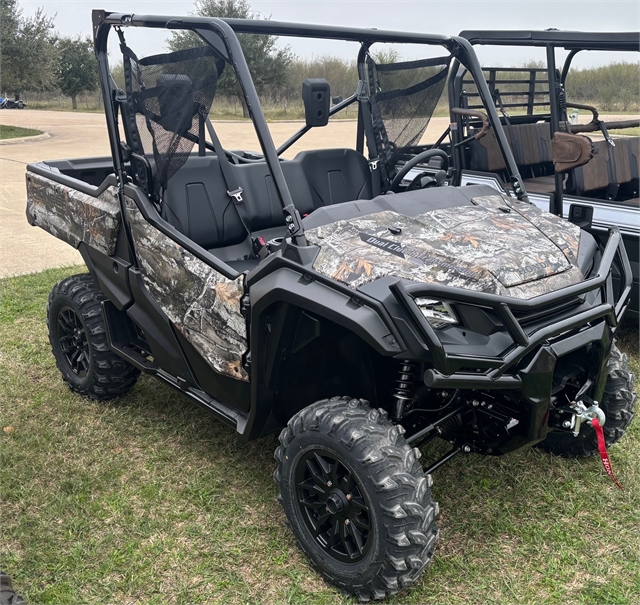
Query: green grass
(148, 499)
(14, 132)
(629, 132)
(224, 110)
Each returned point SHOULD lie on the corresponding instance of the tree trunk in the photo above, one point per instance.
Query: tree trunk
(245, 109)
(74, 104)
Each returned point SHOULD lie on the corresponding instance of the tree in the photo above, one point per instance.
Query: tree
(77, 68)
(29, 55)
(10, 16)
(267, 63)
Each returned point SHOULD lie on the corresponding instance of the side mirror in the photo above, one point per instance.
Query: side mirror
(316, 95)
(570, 150)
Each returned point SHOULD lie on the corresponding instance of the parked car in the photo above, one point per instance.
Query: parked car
(324, 296)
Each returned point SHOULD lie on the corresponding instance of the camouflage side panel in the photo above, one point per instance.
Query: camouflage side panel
(487, 247)
(565, 235)
(200, 302)
(73, 216)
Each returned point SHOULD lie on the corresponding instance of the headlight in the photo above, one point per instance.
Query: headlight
(438, 314)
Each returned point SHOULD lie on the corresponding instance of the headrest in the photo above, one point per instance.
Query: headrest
(175, 102)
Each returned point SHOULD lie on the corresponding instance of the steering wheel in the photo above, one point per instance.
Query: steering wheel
(421, 157)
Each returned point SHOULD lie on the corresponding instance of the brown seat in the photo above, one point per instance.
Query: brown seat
(530, 144)
(626, 154)
(541, 184)
(596, 174)
(610, 167)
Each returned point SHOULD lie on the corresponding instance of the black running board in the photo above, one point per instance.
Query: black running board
(129, 353)
(224, 413)
(134, 357)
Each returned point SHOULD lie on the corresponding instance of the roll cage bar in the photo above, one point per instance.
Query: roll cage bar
(571, 41)
(220, 34)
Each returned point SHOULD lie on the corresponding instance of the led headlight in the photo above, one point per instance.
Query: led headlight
(438, 314)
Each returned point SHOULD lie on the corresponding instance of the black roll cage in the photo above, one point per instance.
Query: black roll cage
(220, 34)
(574, 42)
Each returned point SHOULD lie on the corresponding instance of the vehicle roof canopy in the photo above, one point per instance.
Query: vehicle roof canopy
(570, 40)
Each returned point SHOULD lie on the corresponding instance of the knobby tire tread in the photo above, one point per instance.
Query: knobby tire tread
(401, 488)
(111, 376)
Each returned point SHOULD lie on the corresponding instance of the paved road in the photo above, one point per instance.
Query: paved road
(25, 249)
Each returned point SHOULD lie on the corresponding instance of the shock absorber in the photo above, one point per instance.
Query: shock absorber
(405, 385)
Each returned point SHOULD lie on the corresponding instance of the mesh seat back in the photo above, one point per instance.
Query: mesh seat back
(403, 97)
(167, 96)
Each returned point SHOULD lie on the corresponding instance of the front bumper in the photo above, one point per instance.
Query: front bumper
(492, 370)
(528, 365)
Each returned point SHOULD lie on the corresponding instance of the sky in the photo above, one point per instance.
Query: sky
(447, 17)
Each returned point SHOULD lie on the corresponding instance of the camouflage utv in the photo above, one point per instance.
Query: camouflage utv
(331, 297)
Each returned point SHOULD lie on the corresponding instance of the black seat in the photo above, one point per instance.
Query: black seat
(336, 175)
(196, 201)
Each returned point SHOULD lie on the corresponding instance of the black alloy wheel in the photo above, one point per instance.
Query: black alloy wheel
(78, 337)
(333, 506)
(356, 497)
(73, 341)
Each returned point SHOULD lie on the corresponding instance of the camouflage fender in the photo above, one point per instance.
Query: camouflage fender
(73, 216)
(200, 302)
(496, 245)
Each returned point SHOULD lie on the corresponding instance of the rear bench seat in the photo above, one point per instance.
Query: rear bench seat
(197, 205)
(609, 168)
(531, 146)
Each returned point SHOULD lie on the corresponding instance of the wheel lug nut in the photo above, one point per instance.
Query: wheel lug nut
(349, 496)
(347, 522)
(327, 509)
(329, 484)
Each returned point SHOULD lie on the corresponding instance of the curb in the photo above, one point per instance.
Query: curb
(37, 137)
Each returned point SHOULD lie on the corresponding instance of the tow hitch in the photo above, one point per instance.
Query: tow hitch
(581, 413)
(596, 417)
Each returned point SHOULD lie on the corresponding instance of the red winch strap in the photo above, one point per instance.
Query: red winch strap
(602, 448)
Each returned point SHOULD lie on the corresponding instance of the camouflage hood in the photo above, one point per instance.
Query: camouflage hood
(494, 244)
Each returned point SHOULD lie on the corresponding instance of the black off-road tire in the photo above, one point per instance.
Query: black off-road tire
(391, 482)
(106, 375)
(8, 595)
(618, 402)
